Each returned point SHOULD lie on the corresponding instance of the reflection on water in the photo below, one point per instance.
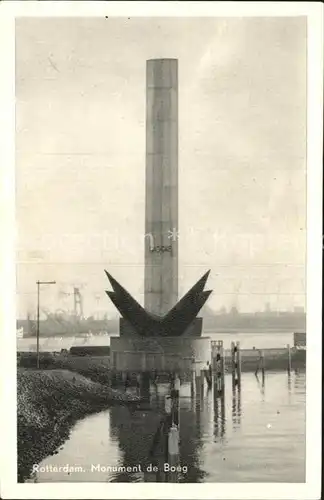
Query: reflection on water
(261, 384)
(236, 408)
(219, 419)
(256, 434)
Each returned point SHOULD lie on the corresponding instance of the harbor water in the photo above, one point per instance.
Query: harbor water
(248, 340)
(259, 436)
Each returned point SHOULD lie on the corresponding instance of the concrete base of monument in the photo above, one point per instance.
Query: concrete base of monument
(194, 329)
(164, 354)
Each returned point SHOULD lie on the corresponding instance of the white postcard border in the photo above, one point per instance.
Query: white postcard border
(309, 490)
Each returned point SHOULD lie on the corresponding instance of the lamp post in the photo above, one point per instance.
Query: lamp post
(38, 283)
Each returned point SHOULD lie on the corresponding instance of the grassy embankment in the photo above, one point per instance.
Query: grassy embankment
(96, 368)
(51, 400)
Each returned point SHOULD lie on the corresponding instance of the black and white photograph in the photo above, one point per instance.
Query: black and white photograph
(161, 190)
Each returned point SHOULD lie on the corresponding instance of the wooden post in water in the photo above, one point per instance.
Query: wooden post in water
(145, 385)
(202, 381)
(218, 368)
(124, 379)
(238, 365)
(113, 379)
(173, 452)
(193, 379)
(289, 360)
(219, 386)
(262, 364)
(233, 355)
(175, 395)
(138, 384)
(222, 353)
(214, 365)
(168, 409)
(197, 380)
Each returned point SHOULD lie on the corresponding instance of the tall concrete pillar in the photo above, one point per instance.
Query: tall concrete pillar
(161, 210)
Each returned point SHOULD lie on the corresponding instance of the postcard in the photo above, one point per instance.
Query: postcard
(162, 238)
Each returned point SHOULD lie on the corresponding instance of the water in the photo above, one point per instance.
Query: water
(259, 438)
(259, 340)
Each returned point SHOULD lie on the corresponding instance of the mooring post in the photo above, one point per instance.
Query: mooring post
(262, 363)
(113, 379)
(138, 384)
(175, 394)
(214, 359)
(219, 388)
(145, 385)
(222, 368)
(168, 411)
(202, 380)
(233, 354)
(173, 451)
(197, 383)
(289, 360)
(219, 410)
(238, 365)
(143, 361)
(127, 380)
(193, 379)
(218, 374)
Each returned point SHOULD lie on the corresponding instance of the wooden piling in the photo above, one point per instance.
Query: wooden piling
(197, 384)
(145, 385)
(233, 355)
(219, 388)
(214, 356)
(193, 380)
(202, 381)
(138, 384)
(214, 366)
(175, 395)
(219, 412)
(173, 451)
(168, 409)
(238, 365)
(289, 360)
(218, 367)
(113, 379)
(217, 374)
(262, 364)
(222, 368)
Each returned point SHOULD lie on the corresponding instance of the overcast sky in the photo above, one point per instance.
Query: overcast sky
(80, 156)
